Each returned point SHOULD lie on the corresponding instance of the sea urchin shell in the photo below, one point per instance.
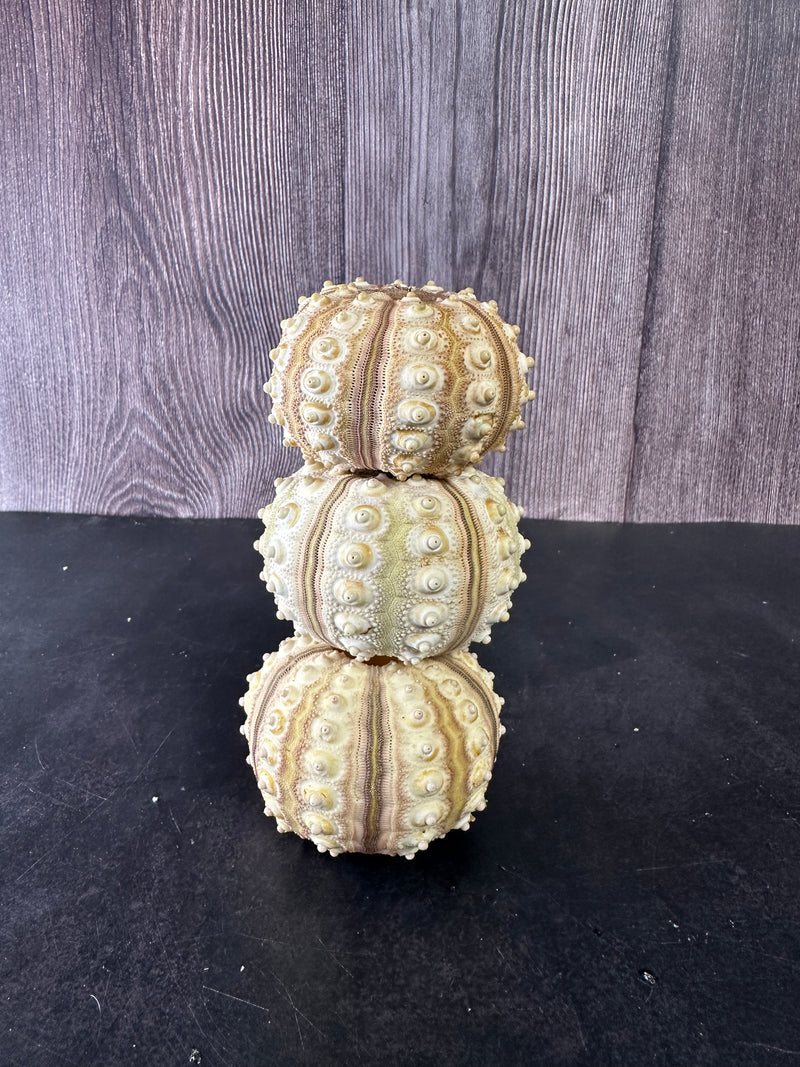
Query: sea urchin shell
(365, 757)
(379, 567)
(399, 379)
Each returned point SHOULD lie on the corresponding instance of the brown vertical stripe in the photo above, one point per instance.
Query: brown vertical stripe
(486, 700)
(449, 429)
(377, 398)
(372, 790)
(309, 569)
(364, 374)
(477, 575)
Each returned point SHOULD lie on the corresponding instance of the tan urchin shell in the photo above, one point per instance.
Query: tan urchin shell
(370, 758)
(385, 568)
(396, 378)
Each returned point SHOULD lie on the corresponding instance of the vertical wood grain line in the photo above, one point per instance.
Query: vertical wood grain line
(656, 224)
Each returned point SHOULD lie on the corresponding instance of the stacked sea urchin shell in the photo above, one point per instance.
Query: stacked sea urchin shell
(374, 730)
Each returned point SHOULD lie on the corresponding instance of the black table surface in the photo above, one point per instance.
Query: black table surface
(629, 896)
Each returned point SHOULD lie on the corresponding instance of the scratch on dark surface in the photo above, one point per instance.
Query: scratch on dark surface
(97, 1002)
(335, 960)
(125, 727)
(40, 1044)
(352, 1028)
(60, 843)
(580, 1031)
(150, 759)
(53, 800)
(297, 1012)
(36, 750)
(82, 788)
(778, 959)
(87, 650)
(763, 1009)
(174, 820)
(241, 1000)
(510, 870)
(679, 866)
(772, 1048)
(173, 975)
(262, 940)
(200, 1029)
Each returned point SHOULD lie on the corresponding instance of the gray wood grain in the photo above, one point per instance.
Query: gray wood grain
(620, 177)
(718, 408)
(514, 148)
(167, 189)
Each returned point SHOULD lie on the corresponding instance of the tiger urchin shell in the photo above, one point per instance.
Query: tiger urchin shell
(370, 758)
(379, 567)
(396, 378)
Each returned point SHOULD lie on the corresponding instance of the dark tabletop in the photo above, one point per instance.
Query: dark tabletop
(629, 896)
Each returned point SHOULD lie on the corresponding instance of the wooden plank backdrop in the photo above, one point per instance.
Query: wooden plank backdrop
(621, 176)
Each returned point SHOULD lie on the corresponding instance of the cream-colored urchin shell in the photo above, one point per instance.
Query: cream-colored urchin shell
(379, 567)
(398, 379)
(370, 758)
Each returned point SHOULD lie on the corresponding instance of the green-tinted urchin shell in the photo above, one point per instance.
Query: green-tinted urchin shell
(378, 567)
(379, 758)
(398, 379)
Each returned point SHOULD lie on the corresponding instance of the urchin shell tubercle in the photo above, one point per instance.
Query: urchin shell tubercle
(396, 378)
(370, 758)
(378, 567)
